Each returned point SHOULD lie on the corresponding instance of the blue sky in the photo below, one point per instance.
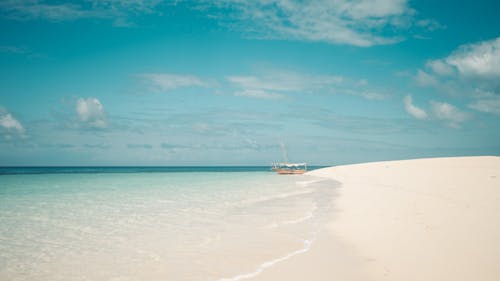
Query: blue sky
(223, 82)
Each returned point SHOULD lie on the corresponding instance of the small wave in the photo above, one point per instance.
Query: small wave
(265, 265)
(299, 220)
(310, 215)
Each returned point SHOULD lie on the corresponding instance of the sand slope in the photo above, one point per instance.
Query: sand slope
(427, 219)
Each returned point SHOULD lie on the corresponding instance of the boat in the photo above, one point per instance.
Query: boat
(285, 168)
(289, 168)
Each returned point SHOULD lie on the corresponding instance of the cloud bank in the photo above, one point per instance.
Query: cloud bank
(472, 71)
(360, 23)
(441, 111)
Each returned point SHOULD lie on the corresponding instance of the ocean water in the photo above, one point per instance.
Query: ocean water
(139, 224)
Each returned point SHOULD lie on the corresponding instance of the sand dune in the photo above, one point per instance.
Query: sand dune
(422, 220)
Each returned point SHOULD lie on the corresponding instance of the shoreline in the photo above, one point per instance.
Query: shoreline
(423, 219)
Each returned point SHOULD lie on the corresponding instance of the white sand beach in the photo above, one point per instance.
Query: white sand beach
(422, 220)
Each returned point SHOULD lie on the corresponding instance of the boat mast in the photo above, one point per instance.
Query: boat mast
(283, 152)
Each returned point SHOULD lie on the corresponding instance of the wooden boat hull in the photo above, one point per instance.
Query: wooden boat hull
(289, 172)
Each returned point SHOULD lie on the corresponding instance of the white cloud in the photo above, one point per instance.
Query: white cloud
(254, 82)
(440, 67)
(91, 113)
(258, 94)
(341, 22)
(275, 84)
(441, 111)
(477, 60)
(361, 23)
(33, 9)
(119, 10)
(285, 81)
(372, 9)
(470, 62)
(9, 124)
(467, 71)
(414, 110)
(373, 95)
(270, 84)
(487, 105)
(161, 82)
(430, 24)
(425, 79)
(449, 113)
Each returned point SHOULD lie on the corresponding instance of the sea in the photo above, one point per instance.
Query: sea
(155, 223)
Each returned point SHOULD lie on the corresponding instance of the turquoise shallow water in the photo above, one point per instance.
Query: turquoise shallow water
(176, 225)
